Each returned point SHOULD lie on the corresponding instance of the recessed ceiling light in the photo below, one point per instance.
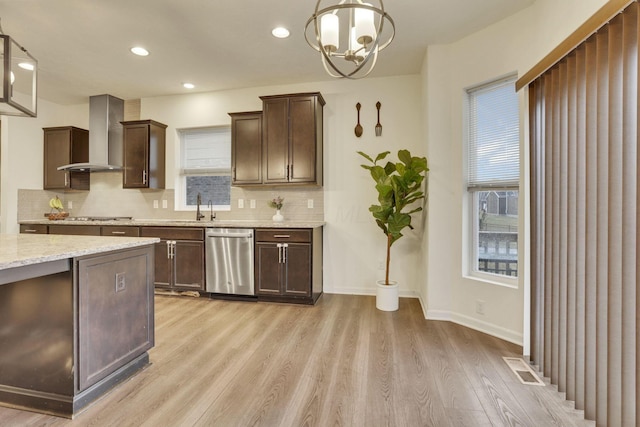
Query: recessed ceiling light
(140, 51)
(26, 66)
(188, 85)
(280, 32)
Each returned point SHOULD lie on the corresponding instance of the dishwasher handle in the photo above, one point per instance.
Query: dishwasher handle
(241, 235)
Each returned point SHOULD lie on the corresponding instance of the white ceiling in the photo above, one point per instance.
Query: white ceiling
(82, 46)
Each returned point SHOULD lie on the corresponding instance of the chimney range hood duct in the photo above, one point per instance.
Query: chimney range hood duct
(105, 136)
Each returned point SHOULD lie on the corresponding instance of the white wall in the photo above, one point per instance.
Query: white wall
(22, 153)
(353, 245)
(512, 45)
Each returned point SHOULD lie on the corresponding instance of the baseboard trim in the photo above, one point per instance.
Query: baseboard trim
(488, 328)
(368, 292)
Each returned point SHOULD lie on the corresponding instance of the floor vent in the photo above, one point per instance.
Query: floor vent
(523, 371)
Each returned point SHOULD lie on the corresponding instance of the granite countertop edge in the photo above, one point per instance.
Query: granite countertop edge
(183, 223)
(19, 250)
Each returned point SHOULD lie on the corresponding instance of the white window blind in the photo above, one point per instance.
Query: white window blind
(493, 139)
(206, 151)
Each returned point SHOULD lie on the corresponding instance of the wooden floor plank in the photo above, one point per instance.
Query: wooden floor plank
(338, 363)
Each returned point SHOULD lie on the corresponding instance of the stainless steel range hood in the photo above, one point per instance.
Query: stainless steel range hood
(105, 136)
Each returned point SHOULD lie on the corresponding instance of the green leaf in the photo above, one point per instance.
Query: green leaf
(366, 156)
(404, 156)
(382, 156)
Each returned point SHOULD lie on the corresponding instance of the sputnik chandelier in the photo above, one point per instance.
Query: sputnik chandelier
(357, 27)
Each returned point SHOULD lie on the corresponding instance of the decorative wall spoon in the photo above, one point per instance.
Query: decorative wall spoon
(358, 129)
(378, 126)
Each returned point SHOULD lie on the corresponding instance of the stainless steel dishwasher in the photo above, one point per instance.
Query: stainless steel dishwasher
(229, 261)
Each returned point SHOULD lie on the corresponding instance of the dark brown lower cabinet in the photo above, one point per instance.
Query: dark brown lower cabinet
(179, 257)
(33, 229)
(288, 265)
(82, 230)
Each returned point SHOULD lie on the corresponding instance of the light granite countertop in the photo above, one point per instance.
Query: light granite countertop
(185, 223)
(17, 250)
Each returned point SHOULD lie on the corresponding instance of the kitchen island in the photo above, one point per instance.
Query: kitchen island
(76, 318)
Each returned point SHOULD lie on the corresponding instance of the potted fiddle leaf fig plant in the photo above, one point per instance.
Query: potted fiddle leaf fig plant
(399, 186)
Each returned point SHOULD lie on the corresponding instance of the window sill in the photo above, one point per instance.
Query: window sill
(492, 280)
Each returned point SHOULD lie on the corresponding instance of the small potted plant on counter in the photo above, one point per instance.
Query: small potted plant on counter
(277, 204)
(399, 185)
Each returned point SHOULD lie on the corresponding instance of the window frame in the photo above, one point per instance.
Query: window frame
(471, 193)
(182, 173)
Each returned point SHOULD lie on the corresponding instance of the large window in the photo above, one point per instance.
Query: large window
(205, 168)
(493, 173)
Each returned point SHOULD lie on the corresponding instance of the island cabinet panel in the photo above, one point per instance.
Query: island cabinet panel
(246, 148)
(116, 320)
(143, 154)
(292, 134)
(288, 265)
(64, 145)
(179, 257)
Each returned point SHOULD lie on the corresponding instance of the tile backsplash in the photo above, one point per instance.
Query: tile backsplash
(108, 198)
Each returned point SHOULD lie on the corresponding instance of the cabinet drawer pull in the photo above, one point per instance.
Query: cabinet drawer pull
(118, 232)
(30, 230)
(281, 236)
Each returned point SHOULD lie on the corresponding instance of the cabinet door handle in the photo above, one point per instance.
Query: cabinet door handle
(287, 172)
(168, 249)
(290, 177)
(281, 236)
(118, 232)
(173, 249)
(284, 253)
(30, 230)
(66, 179)
(234, 173)
(144, 177)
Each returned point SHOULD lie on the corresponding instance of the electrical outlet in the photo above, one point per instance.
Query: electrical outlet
(252, 203)
(70, 205)
(240, 203)
(164, 204)
(120, 283)
(310, 203)
(155, 204)
(480, 307)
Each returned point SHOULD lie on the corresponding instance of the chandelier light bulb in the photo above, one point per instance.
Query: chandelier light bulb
(365, 28)
(330, 32)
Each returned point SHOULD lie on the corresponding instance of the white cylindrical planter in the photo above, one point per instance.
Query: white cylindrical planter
(387, 296)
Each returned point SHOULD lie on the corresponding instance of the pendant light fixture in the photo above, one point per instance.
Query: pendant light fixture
(356, 28)
(19, 70)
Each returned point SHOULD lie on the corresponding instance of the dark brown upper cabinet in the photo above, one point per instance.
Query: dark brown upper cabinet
(292, 138)
(143, 159)
(64, 145)
(246, 148)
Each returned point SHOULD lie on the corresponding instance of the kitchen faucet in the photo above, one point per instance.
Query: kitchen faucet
(213, 214)
(199, 215)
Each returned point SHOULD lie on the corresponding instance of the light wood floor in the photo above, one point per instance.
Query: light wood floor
(339, 363)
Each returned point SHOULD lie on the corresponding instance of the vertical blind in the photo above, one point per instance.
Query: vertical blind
(584, 206)
(493, 136)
